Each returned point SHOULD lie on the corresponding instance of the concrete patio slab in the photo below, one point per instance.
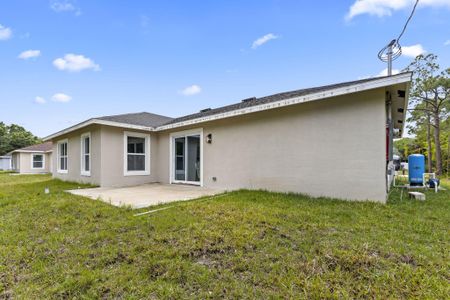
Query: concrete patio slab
(146, 195)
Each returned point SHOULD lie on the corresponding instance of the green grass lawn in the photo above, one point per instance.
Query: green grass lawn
(244, 244)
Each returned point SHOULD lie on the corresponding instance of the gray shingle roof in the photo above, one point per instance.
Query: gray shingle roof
(47, 146)
(150, 120)
(268, 99)
(142, 119)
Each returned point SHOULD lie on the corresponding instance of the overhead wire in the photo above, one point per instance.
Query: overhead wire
(394, 45)
(407, 21)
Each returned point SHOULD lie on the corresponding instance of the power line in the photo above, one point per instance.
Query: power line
(407, 21)
(393, 50)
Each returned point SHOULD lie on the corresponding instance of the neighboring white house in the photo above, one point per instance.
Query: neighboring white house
(333, 141)
(35, 159)
(5, 163)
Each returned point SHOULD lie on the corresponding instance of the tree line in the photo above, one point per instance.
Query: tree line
(428, 114)
(14, 137)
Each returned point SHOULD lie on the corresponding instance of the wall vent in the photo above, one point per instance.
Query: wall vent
(248, 99)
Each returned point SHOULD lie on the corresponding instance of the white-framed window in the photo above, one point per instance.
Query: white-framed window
(86, 154)
(38, 161)
(63, 156)
(136, 153)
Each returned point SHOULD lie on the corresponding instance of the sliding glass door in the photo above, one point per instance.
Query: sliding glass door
(186, 152)
(180, 161)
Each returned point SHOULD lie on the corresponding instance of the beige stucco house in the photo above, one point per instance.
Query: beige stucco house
(331, 141)
(35, 159)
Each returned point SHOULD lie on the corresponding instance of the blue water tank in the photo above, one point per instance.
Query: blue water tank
(416, 166)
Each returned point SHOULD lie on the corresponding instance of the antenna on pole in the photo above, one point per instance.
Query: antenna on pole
(389, 53)
(393, 50)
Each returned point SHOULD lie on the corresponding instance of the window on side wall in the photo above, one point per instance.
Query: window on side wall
(136, 154)
(86, 154)
(62, 156)
(37, 161)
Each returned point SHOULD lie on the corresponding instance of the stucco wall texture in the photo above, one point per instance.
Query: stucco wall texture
(74, 156)
(22, 163)
(333, 147)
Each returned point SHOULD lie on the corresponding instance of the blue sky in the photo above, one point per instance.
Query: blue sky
(62, 62)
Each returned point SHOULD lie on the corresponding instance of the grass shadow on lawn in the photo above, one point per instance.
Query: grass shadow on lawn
(245, 244)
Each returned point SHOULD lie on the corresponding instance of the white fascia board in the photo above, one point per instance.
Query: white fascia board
(123, 125)
(31, 151)
(99, 122)
(358, 87)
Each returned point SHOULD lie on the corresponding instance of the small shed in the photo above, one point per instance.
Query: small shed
(5, 163)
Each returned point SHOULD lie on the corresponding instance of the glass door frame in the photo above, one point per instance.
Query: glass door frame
(172, 156)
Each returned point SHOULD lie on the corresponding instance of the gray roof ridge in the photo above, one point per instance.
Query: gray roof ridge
(132, 113)
(275, 97)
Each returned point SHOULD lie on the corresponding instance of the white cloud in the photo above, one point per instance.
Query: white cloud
(75, 63)
(435, 2)
(447, 42)
(65, 6)
(5, 33)
(60, 97)
(413, 51)
(191, 90)
(40, 100)
(264, 39)
(381, 8)
(29, 54)
(385, 72)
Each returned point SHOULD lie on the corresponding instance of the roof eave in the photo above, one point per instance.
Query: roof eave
(405, 108)
(31, 151)
(358, 87)
(98, 122)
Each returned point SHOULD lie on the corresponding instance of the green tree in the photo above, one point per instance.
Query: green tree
(4, 141)
(14, 137)
(407, 146)
(445, 139)
(430, 97)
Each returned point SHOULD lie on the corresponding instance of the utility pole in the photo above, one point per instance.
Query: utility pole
(388, 57)
(389, 53)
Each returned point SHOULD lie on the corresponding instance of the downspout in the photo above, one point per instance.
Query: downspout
(390, 126)
(390, 150)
